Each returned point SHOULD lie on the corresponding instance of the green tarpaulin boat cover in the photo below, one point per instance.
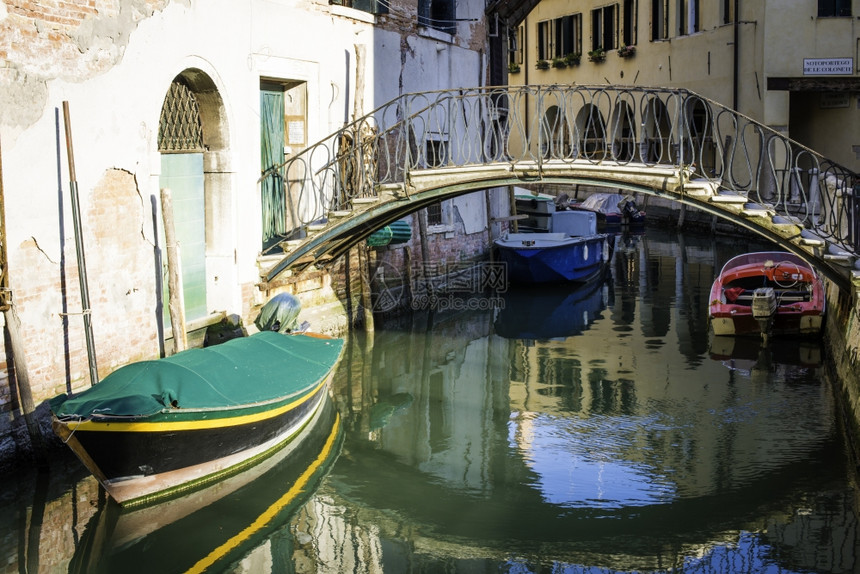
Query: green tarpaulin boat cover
(260, 368)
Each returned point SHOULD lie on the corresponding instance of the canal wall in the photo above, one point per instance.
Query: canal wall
(843, 351)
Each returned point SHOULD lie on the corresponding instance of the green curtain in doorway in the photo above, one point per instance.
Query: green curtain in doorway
(272, 151)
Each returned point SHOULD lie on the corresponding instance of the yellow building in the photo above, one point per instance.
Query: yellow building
(791, 65)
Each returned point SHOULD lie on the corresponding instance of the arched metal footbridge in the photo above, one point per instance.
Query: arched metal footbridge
(424, 147)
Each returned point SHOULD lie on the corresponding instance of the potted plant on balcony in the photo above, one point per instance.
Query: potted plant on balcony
(627, 51)
(542, 65)
(573, 59)
(597, 55)
(513, 68)
(559, 63)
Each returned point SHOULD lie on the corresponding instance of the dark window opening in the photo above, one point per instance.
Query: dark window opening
(830, 8)
(434, 214)
(370, 6)
(603, 26)
(659, 20)
(437, 14)
(544, 40)
(567, 33)
(435, 151)
(628, 32)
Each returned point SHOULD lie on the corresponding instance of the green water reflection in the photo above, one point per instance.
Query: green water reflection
(592, 430)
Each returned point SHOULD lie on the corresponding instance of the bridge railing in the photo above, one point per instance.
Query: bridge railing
(552, 125)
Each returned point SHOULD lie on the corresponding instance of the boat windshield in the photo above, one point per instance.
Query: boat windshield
(763, 256)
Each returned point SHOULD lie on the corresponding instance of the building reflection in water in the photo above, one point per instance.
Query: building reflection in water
(595, 428)
(630, 443)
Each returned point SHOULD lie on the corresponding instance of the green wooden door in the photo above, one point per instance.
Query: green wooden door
(272, 155)
(183, 174)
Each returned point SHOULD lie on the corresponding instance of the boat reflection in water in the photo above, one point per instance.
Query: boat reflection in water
(622, 445)
(615, 446)
(219, 525)
(558, 311)
(523, 454)
(752, 354)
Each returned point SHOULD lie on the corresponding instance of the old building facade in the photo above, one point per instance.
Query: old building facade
(790, 65)
(120, 99)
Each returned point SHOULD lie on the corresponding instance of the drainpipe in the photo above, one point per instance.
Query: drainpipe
(525, 77)
(736, 63)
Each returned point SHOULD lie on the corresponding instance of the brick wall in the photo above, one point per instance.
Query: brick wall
(121, 281)
(62, 38)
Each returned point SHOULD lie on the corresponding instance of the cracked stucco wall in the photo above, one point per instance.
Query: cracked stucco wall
(113, 62)
(69, 41)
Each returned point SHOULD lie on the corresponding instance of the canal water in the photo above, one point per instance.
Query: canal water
(591, 430)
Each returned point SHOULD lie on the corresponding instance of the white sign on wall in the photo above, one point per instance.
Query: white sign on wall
(296, 132)
(827, 66)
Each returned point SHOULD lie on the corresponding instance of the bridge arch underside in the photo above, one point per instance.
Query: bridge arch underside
(424, 189)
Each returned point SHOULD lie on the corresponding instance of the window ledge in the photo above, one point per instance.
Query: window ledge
(437, 229)
(352, 13)
(435, 34)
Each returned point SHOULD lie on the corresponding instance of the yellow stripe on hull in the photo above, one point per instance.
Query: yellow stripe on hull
(101, 426)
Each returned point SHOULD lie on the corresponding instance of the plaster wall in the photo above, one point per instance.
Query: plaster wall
(773, 40)
(113, 62)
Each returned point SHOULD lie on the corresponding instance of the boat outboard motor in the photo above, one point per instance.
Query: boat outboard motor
(280, 313)
(628, 208)
(763, 309)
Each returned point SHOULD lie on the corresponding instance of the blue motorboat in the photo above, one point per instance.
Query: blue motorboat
(570, 249)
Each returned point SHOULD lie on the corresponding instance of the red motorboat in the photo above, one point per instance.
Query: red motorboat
(767, 293)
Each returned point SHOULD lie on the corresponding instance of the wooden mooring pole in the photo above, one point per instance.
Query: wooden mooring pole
(176, 295)
(79, 248)
(13, 327)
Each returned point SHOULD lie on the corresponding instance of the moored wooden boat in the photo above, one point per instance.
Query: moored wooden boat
(615, 211)
(210, 528)
(551, 257)
(767, 293)
(154, 429)
(565, 246)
